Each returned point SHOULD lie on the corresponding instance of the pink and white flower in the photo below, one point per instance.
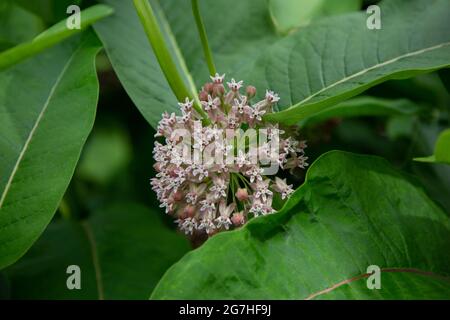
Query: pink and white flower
(209, 197)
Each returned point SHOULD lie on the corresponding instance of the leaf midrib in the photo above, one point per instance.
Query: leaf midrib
(36, 124)
(364, 71)
(366, 275)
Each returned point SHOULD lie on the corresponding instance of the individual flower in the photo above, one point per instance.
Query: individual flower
(217, 78)
(224, 215)
(272, 97)
(211, 104)
(262, 190)
(283, 188)
(235, 86)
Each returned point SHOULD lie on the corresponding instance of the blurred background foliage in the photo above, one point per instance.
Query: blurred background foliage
(116, 163)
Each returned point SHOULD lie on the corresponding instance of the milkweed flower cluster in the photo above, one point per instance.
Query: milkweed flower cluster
(210, 196)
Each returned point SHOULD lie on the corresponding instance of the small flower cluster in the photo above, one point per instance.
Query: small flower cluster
(214, 196)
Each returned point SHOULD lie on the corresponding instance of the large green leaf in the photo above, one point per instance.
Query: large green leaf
(352, 212)
(134, 62)
(330, 61)
(122, 252)
(47, 107)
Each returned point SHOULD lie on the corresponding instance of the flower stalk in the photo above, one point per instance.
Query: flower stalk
(203, 38)
(162, 53)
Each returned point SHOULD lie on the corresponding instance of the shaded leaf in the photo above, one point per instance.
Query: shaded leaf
(122, 252)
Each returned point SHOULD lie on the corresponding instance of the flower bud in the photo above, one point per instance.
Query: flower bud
(242, 194)
(178, 196)
(208, 87)
(189, 211)
(203, 95)
(251, 91)
(218, 90)
(238, 219)
(157, 166)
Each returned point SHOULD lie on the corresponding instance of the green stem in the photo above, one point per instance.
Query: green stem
(203, 37)
(244, 180)
(162, 53)
(52, 36)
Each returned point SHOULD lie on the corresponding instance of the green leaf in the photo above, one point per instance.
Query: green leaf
(135, 63)
(122, 252)
(52, 36)
(330, 61)
(441, 150)
(47, 107)
(287, 15)
(365, 106)
(352, 212)
(17, 25)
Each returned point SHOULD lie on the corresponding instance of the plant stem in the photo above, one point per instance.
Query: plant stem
(162, 53)
(52, 36)
(203, 37)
